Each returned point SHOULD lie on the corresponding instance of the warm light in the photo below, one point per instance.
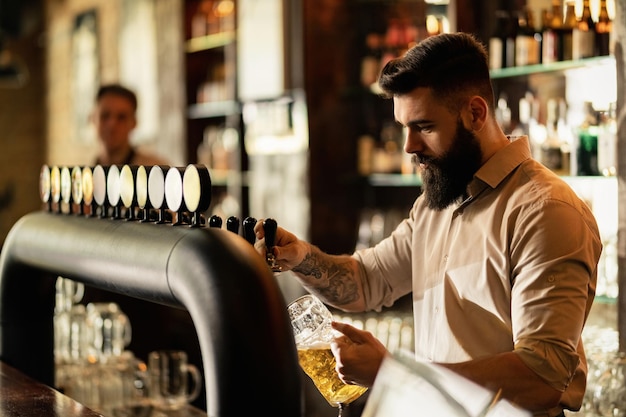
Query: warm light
(224, 8)
(432, 24)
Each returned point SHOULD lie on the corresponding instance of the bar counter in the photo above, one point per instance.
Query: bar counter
(22, 396)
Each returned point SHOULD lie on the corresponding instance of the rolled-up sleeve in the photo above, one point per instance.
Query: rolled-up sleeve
(386, 268)
(553, 287)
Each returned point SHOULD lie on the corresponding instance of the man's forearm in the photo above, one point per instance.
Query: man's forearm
(334, 278)
(507, 373)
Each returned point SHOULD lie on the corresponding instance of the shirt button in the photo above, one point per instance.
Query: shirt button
(445, 258)
(551, 278)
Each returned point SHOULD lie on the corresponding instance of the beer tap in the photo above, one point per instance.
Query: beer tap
(270, 225)
(248, 229)
(232, 224)
(215, 221)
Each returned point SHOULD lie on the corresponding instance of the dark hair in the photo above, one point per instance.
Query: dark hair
(118, 90)
(451, 64)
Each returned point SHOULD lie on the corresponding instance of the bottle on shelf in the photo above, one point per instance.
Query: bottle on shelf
(387, 156)
(224, 11)
(565, 135)
(219, 149)
(502, 42)
(550, 39)
(524, 116)
(604, 27)
(200, 19)
(503, 113)
(370, 64)
(583, 36)
(587, 146)
(552, 155)
(511, 33)
(566, 31)
(537, 132)
(366, 147)
(607, 142)
(527, 45)
(214, 88)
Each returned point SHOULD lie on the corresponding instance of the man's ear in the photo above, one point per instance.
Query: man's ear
(479, 111)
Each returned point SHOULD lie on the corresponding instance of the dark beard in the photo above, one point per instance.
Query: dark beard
(445, 179)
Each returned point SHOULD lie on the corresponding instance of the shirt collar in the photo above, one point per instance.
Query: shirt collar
(497, 168)
(501, 164)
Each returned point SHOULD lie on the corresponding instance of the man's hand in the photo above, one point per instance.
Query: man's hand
(358, 353)
(289, 251)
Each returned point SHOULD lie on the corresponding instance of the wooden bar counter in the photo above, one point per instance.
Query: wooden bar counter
(22, 396)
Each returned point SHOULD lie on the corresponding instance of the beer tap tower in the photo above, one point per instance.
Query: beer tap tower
(239, 314)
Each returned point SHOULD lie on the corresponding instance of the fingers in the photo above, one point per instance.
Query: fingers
(258, 229)
(352, 333)
(358, 354)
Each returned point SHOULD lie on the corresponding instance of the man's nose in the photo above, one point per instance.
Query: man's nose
(413, 142)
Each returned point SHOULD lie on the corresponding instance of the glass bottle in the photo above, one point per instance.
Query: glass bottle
(199, 19)
(537, 132)
(511, 33)
(550, 39)
(566, 137)
(526, 44)
(566, 31)
(607, 142)
(583, 36)
(551, 153)
(603, 31)
(498, 41)
(587, 149)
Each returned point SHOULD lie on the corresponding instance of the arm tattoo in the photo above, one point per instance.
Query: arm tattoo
(332, 278)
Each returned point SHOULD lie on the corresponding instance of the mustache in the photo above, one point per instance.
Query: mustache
(417, 159)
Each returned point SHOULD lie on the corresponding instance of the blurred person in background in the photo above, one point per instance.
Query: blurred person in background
(115, 117)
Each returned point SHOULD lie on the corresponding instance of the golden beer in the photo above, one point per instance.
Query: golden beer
(319, 364)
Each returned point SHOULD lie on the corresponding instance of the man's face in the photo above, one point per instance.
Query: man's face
(447, 153)
(114, 119)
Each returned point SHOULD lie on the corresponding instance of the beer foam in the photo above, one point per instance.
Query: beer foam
(315, 345)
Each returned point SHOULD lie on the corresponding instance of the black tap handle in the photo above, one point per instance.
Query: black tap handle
(248, 229)
(215, 221)
(270, 225)
(232, 224)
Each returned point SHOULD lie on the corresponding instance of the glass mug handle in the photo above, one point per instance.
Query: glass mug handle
(128, 335)
(195, 376)
(69, 292)
(78, 291)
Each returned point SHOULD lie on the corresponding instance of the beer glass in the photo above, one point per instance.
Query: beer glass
(311, 323)
(170, 373)
(110, 329)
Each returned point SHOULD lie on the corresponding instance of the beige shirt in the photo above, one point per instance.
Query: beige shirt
(511, 268)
